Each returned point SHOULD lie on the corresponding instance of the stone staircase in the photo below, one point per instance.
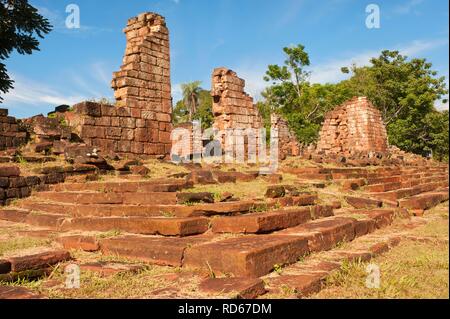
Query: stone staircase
(242, 239)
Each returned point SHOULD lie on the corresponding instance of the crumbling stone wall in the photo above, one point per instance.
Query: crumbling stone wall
(287, 141)
(232, 107)
(10, 134)
(355, 126)
(141, 122)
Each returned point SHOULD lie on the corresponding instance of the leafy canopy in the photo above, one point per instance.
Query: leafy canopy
(20, 24)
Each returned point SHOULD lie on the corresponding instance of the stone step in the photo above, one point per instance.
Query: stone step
(247, 256)
(268, 222)
(125, 187)
(109, 198)
(397, 194)
(49, 221)
(36, 261)
(363, 202)
(165, 226)
(324, 234)
(154, 250)
(113, 210)
(424, 201)
(139, 225)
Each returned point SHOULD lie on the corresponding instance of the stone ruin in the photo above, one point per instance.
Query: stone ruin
(11, 135)
(141, 121)
(232, 107)
(355, 126)
(287, 141)
(140, 124)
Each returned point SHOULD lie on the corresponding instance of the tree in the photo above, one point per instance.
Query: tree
(20, 24)
(405, 92)
(302, 104)
(203, 112)
(191, 93)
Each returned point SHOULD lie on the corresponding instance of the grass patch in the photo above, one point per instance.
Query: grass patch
(14, 244)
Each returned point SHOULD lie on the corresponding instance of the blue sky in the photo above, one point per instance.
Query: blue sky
(244, 35)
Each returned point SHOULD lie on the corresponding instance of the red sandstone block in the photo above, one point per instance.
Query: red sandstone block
(250, 256)
(140, 225)
(13, 215)
(424, 201)
(5, 266)
(324, 234)
(38, 261)
(362, 202)
(8, 171)
(156, 250)
(382, 217)
(50, 221)
(364, 227)
(86, 243)
(261, 222)
(12, 292)
(242, 288)
(301, 285)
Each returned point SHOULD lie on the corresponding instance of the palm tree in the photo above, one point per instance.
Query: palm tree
(191, 93)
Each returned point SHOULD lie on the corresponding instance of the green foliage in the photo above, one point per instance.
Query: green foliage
(203, 110)
(191, 93)
(405, 92)
(302, 104)
(20, 24)
(403, 89)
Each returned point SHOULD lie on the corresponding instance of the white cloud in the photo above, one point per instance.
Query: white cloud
(58, 20)
(408, 7)
(331, 71)
(177, 93)
(32, 95)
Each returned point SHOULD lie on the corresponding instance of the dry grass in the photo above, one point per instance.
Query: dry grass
(411, 270)
(20, 243)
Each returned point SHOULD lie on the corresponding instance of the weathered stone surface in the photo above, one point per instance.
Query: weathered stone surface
(8, 171)
(160, 251)
(140, 123)
(249, 256)
(86, 243)
(324, 234)
(5, 266)
(354, 126)
(140, 170)
(261, 222)
(232, 108)
(301, 285)
(424, 201)
(287, 141)
(37, 261)
(13, 215)
(201, 177)
(12, 292)
(110, 198)
(275, 191)
(362, 202)
(242, 288)
(204, 197)
(140, 225)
